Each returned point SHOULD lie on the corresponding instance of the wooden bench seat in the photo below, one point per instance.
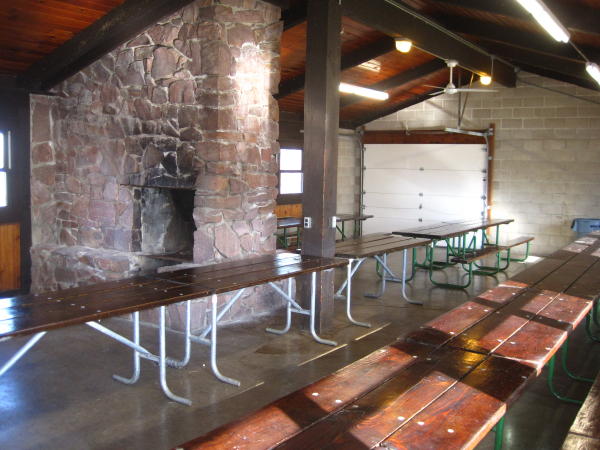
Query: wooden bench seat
(585, 431)
(475, 255)
(515, 242)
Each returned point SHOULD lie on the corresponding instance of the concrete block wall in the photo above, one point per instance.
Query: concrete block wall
(547, 163)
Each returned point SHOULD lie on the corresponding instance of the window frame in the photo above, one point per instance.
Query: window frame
(5, 136)
(287, 199)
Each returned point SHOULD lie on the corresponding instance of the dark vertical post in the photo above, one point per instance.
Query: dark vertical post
(321, 123)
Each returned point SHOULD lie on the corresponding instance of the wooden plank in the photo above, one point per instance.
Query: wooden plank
(418, 136)
(10, 257)
(516, 241)
(492, 331)
(540, 338)
(442, 329)
(280, 420)
(537, 272)
(567, 274)
(291, 210)
(476, 255)
(450, 230)
(389, 244)
(36, 318)
(586, 422)
(588, 284)
(578, 442)
(372, 418)
(480, 399)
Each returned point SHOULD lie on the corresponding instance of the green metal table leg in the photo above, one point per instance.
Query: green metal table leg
(564, 355)
(499, 430)
(588, 328)
(550, 379)
(523, 259)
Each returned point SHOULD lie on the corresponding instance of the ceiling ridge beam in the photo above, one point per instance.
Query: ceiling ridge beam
(121, 24)
(518, 38)
(349, 60)
(401, 21)
(577, 17)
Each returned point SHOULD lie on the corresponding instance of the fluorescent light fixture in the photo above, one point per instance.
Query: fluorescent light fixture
(546, 19)
(403, 45)
(594, 71)
(363, 92)
(486, 80)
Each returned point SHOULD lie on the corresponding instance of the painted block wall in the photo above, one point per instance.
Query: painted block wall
(547, 163)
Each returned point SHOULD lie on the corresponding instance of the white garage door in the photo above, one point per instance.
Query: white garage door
(409, 183)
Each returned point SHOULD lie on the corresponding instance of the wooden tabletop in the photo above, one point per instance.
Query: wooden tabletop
(446, 230)
(40, 312)
(292, 222)
(376, 244)
(348, 217)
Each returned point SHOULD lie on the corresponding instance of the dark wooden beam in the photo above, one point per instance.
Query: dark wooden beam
(419, 137)
(293, 16)
(398, 80)
(574, 71)
(515, 37)
(401, 21)
(571, 15)
(588, 84)
(321, 120)
(119, 25)
(348, 61)
(379, 113)
(280, 3)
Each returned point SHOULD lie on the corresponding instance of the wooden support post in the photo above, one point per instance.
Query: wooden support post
(321, 120)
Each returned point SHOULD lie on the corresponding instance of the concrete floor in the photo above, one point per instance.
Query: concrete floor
(61, 395)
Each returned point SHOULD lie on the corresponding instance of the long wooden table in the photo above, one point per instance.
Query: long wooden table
(446, 384)
(286, 223)
(377, 246)
(38, 313)
(460, 238)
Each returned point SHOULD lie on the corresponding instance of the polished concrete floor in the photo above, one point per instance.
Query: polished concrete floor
(62, 396)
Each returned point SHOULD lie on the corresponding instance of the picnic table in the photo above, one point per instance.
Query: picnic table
(287, 223)
(36, 314)
(445, 385)
(461, 247)
(377, 246)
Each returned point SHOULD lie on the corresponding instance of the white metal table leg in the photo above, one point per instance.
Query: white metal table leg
(349, 296)
(313, 298)
(338, 293)
(213, 345)
(136, 356)
(162, 362)
(28, 345)
(288, 322)
(384, 278)
(409, 300)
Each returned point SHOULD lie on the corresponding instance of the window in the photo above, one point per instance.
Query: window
(4, 167)
(290, 171)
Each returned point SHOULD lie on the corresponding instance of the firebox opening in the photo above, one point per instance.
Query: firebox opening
(168, 226)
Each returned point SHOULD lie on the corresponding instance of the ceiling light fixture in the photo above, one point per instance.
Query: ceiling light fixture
(403, 45)
(593, 70)
(484, 79)
(363, 92)
(546, 19)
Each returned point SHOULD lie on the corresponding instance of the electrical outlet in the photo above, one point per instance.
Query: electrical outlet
(308, 222)
(333, 222)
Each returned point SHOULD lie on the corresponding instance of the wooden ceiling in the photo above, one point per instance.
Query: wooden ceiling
(45, 41)
(31, 29)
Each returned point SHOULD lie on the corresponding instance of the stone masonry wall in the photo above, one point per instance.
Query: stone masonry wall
(547, 163)
(188, 103)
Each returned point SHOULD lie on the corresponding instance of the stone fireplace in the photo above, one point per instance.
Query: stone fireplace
(163, 148)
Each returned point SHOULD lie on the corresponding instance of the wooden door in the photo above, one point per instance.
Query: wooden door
(10, 257)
